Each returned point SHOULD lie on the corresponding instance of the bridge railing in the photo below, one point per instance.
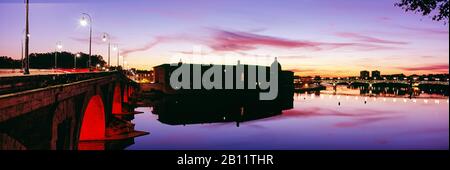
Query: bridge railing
(14, 84)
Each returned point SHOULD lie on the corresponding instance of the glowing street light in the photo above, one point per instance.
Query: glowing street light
(116, 48)
(59, 46)
(78, 55)
(84, 22)
(58, 49)
(123, 61)
(105, 38)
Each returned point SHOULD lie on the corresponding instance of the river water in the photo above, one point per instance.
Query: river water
(336, 119)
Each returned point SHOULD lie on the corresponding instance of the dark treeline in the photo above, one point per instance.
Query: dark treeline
(47, 61)
(7, 62)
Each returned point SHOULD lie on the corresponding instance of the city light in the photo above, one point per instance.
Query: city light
(83, 21)
(58, 49)
(59, 46)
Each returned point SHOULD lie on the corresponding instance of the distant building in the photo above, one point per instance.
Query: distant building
(317, 78)
(163, 73)
(376, 75)
(394, 77)
(364, 74)
(297, 80)
(144, 76)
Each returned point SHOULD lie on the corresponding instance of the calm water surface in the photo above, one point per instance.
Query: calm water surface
(315, 122)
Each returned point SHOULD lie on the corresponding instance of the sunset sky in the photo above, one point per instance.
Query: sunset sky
(310, 37)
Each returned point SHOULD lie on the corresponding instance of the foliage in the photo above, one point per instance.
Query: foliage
(439, 9)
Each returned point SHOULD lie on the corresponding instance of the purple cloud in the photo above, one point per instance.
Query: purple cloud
(426, 30)
(368, 39)
(223, 40)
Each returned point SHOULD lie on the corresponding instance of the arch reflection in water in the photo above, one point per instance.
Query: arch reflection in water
(183, 110)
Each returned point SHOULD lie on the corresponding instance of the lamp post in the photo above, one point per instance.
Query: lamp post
(123, 62)
(105, 38)
(58, 48)
(75, 60)
(84, 22)
(116, 48)
(27, 41)
(21, 49)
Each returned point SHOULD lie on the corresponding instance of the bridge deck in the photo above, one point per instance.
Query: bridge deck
(13, 84)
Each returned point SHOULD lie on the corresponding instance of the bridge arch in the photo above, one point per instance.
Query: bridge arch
(9, 143)
(117, 100)
(63, 125)
(93, 126)
(126, 94)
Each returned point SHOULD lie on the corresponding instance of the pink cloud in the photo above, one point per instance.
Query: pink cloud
(138, 49)
(368, 39)
(220, 40)
(295, 57)
(95, 39)
(223, 40)
(435, 67)
(155, 42)
(302, 70)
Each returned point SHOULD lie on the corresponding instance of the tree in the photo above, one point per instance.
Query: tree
(8, 62)
(438, 8)
(64, 59)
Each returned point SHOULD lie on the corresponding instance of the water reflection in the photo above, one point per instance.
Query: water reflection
(340, 117)
(182, 110)
(317, 121)
(387, 90)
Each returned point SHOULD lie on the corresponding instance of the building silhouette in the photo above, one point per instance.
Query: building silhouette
(364, 74)
(376, 75)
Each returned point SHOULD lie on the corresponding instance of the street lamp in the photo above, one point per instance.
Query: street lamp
(84, 22)
(123, 61)
(58, 48)
(105, 38)
(116, 48)
(78, 55)
(27, 40)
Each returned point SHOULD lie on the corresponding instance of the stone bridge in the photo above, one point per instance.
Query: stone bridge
(62, 111)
